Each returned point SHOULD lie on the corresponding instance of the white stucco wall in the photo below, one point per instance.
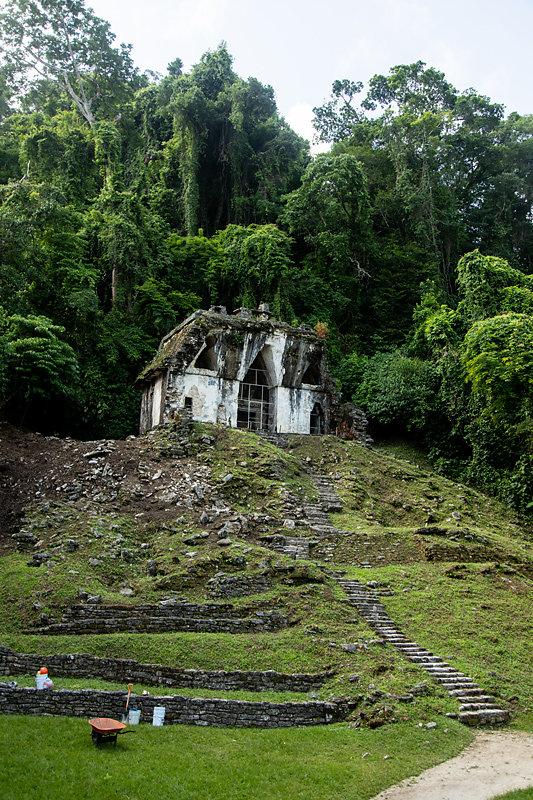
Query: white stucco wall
(156, 400)
(208, 393)
(294, 408)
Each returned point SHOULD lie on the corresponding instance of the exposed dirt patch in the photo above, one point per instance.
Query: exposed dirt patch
(132, 477)
(494, 764)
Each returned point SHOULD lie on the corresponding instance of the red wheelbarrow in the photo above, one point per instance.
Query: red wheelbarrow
(105, 730)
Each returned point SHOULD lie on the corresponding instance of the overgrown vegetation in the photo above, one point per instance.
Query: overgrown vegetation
(129, 200)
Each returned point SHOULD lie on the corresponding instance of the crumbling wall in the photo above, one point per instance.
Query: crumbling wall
(353, 425)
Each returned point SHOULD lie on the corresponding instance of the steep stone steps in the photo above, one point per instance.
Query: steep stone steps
(476, 707)
(328, 499)
(317, 513)
(315, 518)
(279, 439)
(293, 546)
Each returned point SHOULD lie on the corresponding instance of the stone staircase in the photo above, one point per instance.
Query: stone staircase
(293, 546)
(315, 517)
(317, 513)
(279, 439)
(476, 707)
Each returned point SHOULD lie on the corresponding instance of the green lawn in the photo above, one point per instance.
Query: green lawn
(55, 758)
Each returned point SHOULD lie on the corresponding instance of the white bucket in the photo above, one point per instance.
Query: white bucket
(159, 716)
(134, 716)
(39, 681)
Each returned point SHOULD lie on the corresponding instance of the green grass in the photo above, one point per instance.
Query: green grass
(524, 722)
(379, 489)
(54, 757)
(160, 691)
(520, 794)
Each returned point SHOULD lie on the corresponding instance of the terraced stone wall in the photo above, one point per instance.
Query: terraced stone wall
(118, 670)
(179, 710)
(204, 618)
(227, 586)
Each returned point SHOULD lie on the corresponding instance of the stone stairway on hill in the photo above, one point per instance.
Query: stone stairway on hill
(293, 546)
(476, 707)
(317, 513)
(315, 517)
(279, 439)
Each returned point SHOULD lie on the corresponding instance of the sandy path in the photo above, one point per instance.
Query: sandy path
(495, 763)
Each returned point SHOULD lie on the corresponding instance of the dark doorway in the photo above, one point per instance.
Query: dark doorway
(312, 375)
(316, 426)
(254, 409)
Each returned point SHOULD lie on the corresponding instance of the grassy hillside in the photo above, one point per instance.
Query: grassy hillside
(459, 564)
(181, 514)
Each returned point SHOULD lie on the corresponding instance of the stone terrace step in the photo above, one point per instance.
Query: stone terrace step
(489, 716)
(476, 706)
(120, 670)
(147, 624)
(464, 690)
(162, 610)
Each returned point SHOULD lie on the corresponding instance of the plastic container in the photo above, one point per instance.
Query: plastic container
(159, 716)
(134, 716)
(39, 680)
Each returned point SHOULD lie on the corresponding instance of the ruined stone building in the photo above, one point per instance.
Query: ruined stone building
(244, 370)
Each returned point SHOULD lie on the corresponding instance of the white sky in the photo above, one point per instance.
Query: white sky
(300, 47)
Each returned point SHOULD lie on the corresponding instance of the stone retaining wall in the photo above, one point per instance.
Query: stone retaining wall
(179, 710)
(261, 622)
(119, 670)
(460, 553)
(226, 586)
(164, 610)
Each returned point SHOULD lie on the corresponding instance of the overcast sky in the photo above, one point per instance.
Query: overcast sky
(300, 47)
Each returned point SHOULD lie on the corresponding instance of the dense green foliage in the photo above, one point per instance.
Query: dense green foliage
(128, 200)
(465, 381)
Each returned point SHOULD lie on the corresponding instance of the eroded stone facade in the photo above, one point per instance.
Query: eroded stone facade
(243, 370)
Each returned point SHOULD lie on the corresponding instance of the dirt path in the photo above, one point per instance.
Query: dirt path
(495, 763)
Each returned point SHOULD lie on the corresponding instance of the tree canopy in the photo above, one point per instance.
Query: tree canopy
(129, 200)
(62, 43)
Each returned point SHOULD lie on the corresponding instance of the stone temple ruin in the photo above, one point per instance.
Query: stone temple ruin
(244, 370)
